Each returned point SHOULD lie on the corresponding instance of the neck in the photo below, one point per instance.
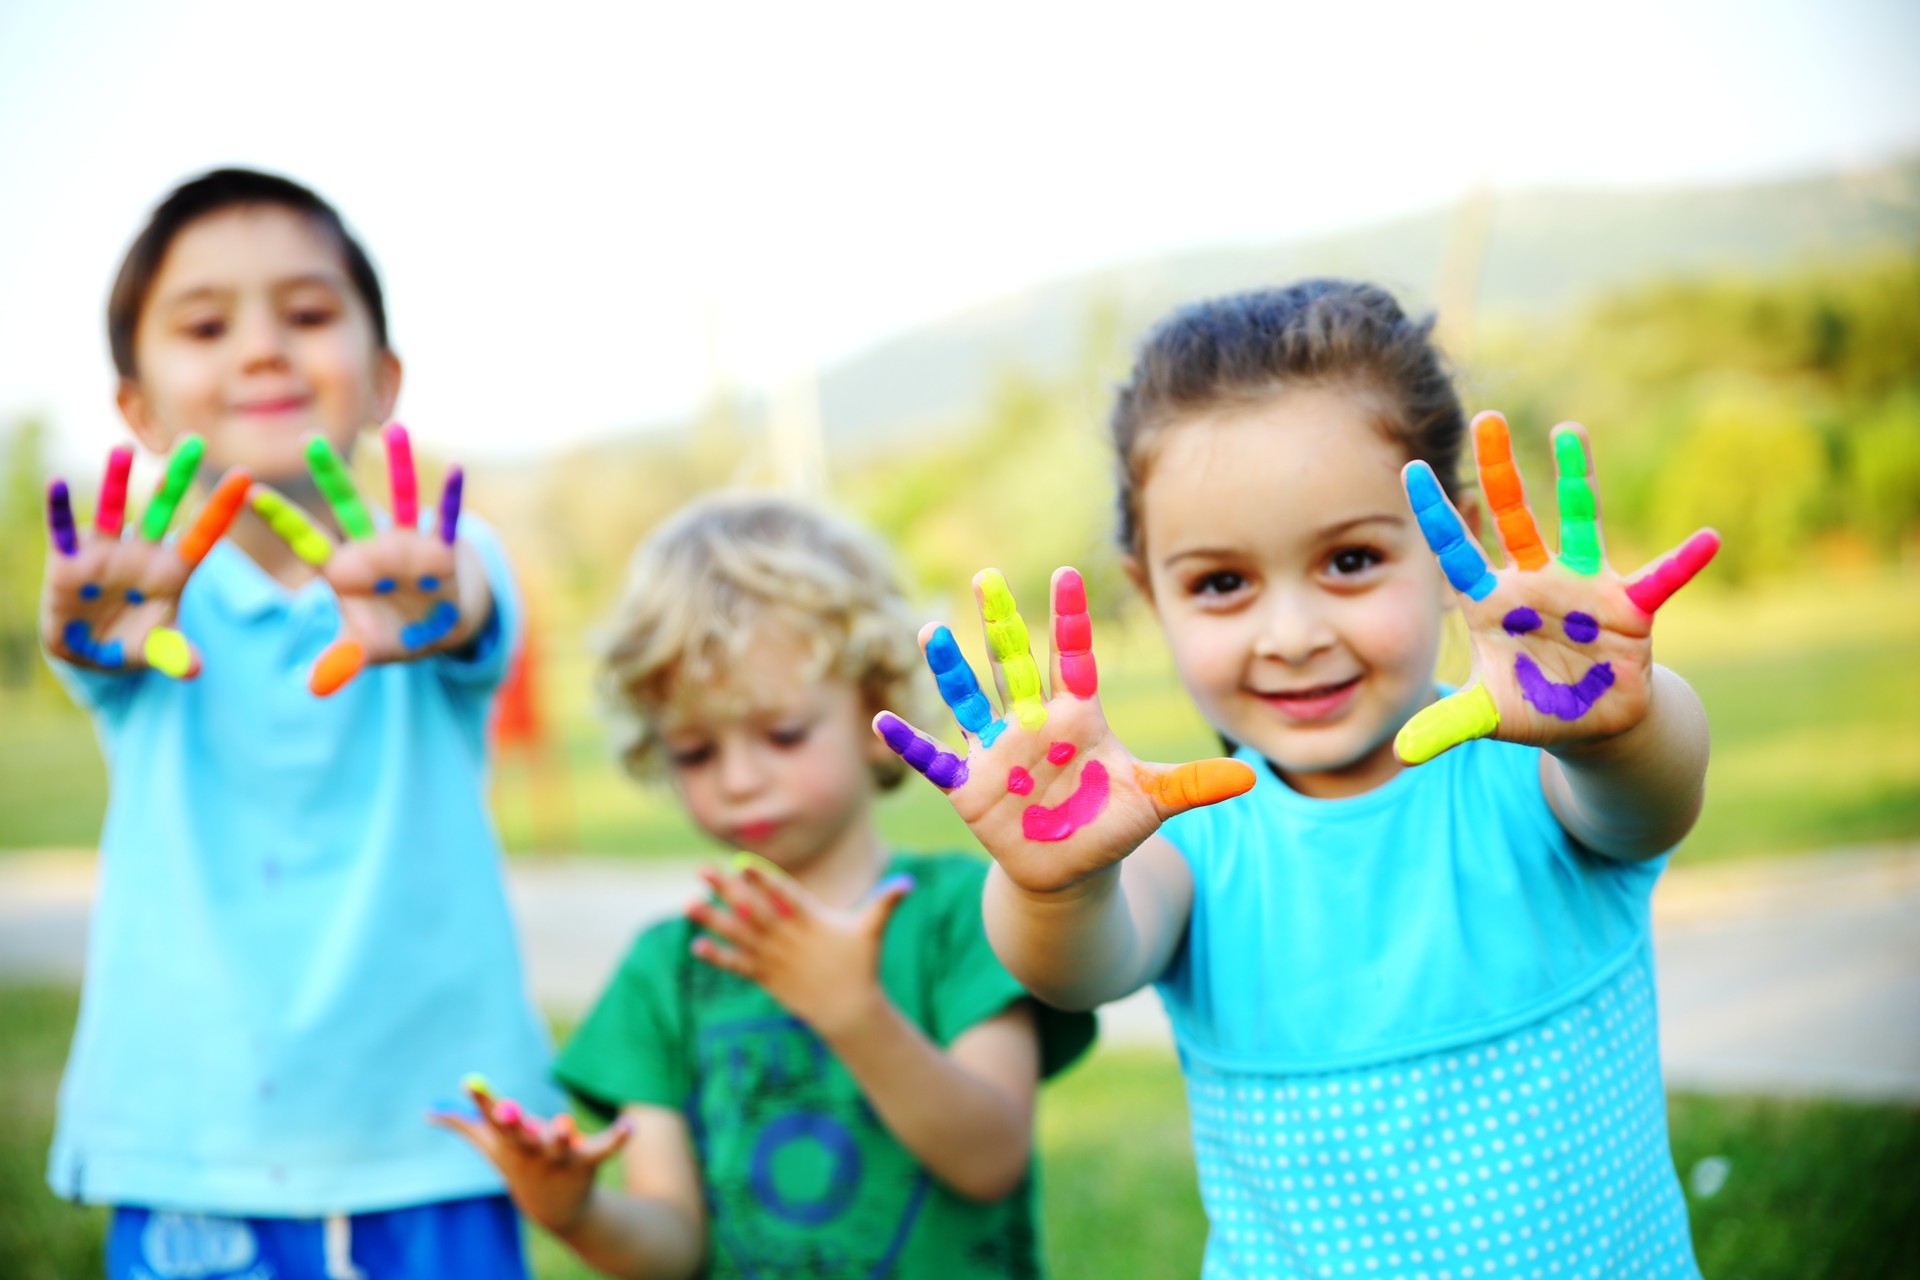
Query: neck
(842, 873)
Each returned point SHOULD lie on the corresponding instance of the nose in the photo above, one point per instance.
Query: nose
(261, 339)
(742, 771)
(1293, 627)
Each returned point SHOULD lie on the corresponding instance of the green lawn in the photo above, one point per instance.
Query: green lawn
(1812, 690)
(1811, 1190)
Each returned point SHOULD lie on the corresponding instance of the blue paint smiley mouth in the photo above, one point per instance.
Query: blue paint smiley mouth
(1566, 701)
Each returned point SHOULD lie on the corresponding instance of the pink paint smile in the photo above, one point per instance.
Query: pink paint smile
(1087, 802)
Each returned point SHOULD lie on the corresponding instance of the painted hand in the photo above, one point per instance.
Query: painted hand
(109, 602)
(821, 964)
(549, 1165)
(398, 588)
(1562, 645)
(1046, 787)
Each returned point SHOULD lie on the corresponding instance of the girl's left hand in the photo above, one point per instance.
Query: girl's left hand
(821, 964)
(1562, 644)
(400, 591)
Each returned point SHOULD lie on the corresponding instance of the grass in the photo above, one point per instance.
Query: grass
(1811, 689)
(1808, 1190)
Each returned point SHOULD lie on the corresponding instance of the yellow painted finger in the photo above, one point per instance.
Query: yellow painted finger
(1007, 642)
(290, 524)
(1457, 718)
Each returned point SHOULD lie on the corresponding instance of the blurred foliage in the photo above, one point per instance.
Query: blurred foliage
(23, 548)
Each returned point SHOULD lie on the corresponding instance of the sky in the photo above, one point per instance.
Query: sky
(587, 217)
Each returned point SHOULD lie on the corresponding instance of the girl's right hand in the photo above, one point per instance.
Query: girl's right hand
(549, 1166)
(108, 602)
(1046, 787)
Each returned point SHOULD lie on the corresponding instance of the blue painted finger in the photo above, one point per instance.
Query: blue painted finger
(959, 688)
(1460, 556)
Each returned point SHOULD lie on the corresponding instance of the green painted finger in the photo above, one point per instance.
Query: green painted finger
(336, 486)
(181, 464)
(1007, 642)
(1579, 514)
(1457, 718)
(291, 525)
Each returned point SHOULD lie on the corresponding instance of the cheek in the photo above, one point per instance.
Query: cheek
(1209, 653)
(1401, 624)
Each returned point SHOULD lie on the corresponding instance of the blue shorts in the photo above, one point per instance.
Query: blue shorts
(475, 1239)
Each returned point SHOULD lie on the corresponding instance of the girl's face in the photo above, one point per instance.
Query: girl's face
(1301, 603)
(253, 336)
(781, 763)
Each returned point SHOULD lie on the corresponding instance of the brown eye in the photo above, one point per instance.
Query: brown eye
(1221, 582)
(788, 735)
(690, 757)
(1348, 561)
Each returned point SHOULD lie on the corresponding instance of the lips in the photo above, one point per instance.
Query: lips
(272, 404)
(755, 830)
(1316, 702)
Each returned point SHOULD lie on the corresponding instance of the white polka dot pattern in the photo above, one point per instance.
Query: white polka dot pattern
(1538, 1153)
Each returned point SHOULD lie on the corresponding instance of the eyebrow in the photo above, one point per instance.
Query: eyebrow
(1323, 535)
(327, 279)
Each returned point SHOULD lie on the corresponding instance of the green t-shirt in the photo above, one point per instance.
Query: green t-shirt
(801, 1177)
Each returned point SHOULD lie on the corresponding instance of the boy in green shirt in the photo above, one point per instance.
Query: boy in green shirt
(822, 1070)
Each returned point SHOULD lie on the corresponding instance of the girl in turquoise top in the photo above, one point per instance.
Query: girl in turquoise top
(1414, 1006)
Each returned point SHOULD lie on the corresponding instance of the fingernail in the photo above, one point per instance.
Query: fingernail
(901, 880)
(507, 1111)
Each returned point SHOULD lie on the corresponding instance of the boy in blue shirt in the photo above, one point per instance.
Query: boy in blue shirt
(301, 931)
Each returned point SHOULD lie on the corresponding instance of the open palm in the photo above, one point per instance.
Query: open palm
(1562, 644)
(109, 601)
(1046, 787)
(397, 587)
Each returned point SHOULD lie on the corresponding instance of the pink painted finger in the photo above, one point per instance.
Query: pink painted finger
(112, 513)
(1655, 584)
(60, 519)
(450, 506)
(400, 477)
(1073, 634)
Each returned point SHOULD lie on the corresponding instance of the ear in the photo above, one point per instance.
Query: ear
(137, 412)
(386, 384)
(1137, 574)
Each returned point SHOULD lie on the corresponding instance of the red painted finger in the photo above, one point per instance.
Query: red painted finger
(400, 477)
(1655, 584)
(1073, 634)
(112, 512)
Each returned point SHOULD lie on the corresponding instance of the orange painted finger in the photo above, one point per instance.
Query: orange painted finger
(338, 663)
(1506, 494)
(222, 506)
(1198, 783)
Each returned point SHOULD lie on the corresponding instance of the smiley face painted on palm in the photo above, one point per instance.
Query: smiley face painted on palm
(1564, 701)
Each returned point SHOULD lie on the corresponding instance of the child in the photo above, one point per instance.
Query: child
(300, 927)
(1414, 1007)
(821, 1071)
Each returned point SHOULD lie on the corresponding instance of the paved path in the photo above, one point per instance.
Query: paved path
(1796, 975)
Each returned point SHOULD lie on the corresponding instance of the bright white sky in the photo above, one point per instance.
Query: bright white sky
(580, 215)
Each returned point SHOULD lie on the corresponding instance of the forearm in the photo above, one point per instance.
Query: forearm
(1637, 793)
(1100, 939)
(969, 1132)
(635, 1237)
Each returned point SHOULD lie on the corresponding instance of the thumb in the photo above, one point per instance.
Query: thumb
(170, 653)
(881, 902)
(1178, 788)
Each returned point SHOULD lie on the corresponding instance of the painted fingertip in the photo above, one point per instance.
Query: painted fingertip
(168, 652)
(474, 1082)
(338, 663)
(508, 1112)
(60, 519)
(449, 528)
(898, 882)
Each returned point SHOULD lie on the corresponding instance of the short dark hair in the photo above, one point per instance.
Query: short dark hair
(211, 193)
(1246, 347)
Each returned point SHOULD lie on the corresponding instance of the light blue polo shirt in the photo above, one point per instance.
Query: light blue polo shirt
(300, 938)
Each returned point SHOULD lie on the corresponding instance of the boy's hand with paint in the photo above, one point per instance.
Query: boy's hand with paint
(1562, 644)
(549, 1165)
(1046, 787)
(822, 965)
(108, 601)
(404, 592)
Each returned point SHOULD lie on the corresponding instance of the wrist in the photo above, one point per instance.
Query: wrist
(855, 1015)
(575, 1223)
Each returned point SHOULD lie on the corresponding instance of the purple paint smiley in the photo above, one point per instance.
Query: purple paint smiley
(1564, 701)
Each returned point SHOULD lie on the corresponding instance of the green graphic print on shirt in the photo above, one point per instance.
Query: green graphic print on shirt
(801, 1177)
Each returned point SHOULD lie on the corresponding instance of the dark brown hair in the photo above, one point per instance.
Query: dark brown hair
(1245, 347)
(211, 193)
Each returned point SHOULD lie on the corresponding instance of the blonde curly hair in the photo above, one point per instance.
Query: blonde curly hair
(732, 566)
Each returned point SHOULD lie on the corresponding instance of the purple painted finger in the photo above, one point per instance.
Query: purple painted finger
(60, 519)
(450, 506)
(942, 768)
